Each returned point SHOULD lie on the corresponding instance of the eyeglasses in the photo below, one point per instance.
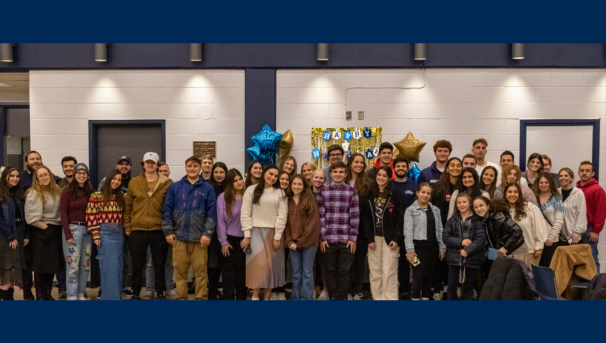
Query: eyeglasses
(43, 175)
(335, 155)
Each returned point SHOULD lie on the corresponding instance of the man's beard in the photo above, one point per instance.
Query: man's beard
(401, 174)
(127, 174)
(30, 168)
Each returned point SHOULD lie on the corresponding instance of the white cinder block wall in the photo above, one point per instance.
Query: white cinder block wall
(459, 105)
(197, 105)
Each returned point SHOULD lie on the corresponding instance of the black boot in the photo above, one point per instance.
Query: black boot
(28, 295)
(3, 294)
(10, 294)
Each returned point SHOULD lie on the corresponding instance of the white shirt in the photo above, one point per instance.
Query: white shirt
(479, 169)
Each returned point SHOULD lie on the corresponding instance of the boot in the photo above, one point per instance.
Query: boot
(3, 294)
(9, 294)
(28, 295)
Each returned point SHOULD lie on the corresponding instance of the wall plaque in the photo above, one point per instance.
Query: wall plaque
(202, 148)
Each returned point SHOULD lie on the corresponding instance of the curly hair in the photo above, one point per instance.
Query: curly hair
(553, 188)
(363, 183)
(520, 204)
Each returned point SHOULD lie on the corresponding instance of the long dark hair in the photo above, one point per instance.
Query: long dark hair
(249, 182)
(74, 189)
(443, 185)
(108, 192)
(375, 185)
(261, 185)
(476, 190)
(5, 189)
(362, 184)
(230, 192)
(213, 182)
(493, 186)
(520, 205)
(307, 201)
(539, 157)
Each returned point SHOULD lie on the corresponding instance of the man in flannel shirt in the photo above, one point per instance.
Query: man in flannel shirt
(340, 217)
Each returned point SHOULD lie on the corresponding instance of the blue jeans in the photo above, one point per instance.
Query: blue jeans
(303, 273)
(111, 260)
(169, 271)
(77, 259)
(593, 245)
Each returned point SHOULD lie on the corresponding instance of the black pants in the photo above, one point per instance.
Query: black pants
(139, 242)
(547, 255)
(44, 285)
(28, 280)
(234, 271)
(338, 260)
(424, 275)
(358, 268)
(403, 273)
(466, 288)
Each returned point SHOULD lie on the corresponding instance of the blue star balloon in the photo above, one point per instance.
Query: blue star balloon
(414, 173)
(263, 157)
(268, 140)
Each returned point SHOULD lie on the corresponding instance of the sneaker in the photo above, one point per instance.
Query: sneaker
(82, 298)
(349, 297)
(437, 296)
(62, 294)
(281, 296)
(254, 298)
(358, 296)
(323, 296)
(135, 297)
(126, 292)
(72, 298)
(172, 294)
(161, 296)
(150, 295)
(273, 296)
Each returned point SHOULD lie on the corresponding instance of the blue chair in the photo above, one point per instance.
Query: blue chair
(545, 283)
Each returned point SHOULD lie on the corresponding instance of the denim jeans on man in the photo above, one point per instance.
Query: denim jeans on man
(169, 271)
(303, 273)
(77, 261)
(111, 260)
(593, 245)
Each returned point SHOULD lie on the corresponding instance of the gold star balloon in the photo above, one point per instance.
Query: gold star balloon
(409, 147)
(286, 144)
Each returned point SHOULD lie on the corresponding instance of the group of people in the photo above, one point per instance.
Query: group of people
(418, 238)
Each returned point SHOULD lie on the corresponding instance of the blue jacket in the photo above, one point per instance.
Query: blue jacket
(455, 232)
(415, 226)
(8, 229)
(430, 174)
(189, 211)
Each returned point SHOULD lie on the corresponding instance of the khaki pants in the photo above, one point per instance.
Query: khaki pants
(383, 265)
(186, 254)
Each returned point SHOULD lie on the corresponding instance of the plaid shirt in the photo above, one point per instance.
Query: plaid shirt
(339, 213)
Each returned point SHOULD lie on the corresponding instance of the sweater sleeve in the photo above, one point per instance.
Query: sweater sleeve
(354, 216)
(311, 230)
(33, 208)
(599, 203)
(282, 215)
(246, 212)
(558, 207)
(539, 225)
(64, 208)
(580, 223)
(92, 214)
(222, 220)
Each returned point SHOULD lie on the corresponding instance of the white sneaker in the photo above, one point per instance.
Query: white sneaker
(82, 298)
(171, 295)
(254, 298)
(323, 295)
(281, 296)
(273, 296)
(72, 298)
(437, 296)
(150, 295)
(358, 296)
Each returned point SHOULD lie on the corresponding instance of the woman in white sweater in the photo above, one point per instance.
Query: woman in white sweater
(263, 217)
(575, 208)
(42, 213)
(529, 218)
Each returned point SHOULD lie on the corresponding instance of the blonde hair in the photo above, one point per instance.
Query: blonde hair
(51, 188)
(508, 170)
(310, 165)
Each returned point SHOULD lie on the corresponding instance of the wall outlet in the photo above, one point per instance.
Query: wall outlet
(360, 115)
(348, 115)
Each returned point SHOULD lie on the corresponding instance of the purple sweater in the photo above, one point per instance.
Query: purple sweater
(228, 225)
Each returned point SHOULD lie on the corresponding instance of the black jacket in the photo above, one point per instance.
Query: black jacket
(596, 289)
(393, 218)
(509, 279)
(453, 235)
(503, 232)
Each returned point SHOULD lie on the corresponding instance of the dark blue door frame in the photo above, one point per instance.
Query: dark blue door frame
(594, 123)
(92, 139)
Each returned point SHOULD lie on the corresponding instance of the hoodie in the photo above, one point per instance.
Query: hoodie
(190, 210)
(372, 173)
(142, 211)
(431, 174)
(595, 199)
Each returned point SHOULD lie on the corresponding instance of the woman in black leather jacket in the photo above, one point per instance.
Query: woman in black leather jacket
(502, 233)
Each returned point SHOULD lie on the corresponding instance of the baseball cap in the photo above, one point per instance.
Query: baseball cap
(151, 156)
(124, 158)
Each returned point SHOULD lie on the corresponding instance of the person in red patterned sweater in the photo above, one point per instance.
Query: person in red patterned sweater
(104, 221)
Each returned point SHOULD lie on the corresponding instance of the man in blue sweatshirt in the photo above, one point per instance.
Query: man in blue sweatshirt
(406, 191)
(431, 174)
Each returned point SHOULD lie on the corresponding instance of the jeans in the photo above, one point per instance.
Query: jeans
(593, 245)
(338, 260)
(234, 271)
(111, 260)
(303, 273)
(467, 286)
(140, 240)
(168, 271)
(77, 259)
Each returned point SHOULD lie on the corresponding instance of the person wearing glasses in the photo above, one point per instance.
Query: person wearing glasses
(335, 154)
